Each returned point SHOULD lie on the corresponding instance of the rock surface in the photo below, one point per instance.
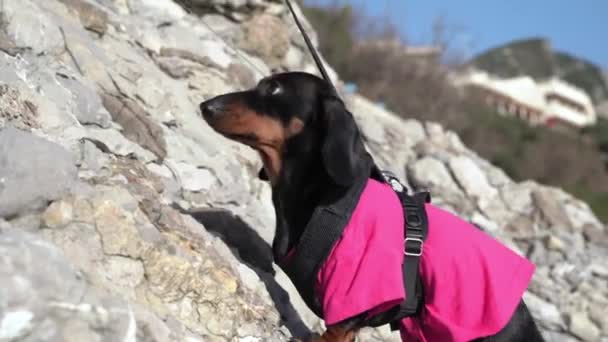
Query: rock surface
(102, 150)
(33, 171)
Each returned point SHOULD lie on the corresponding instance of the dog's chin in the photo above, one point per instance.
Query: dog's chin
(245, 140)
(248, 139)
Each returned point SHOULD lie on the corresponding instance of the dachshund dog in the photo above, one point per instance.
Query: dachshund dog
(308, 141)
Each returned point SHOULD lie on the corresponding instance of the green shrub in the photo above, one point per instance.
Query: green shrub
(597, 201)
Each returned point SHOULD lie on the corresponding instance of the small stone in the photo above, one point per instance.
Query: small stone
(228, 282)
(554, 336)
(15, 324)
(431, 173)
(599, 270)
(581, 326)
(471, 178)
(553, 243)
(599, 314)
(83, 210)
(192, 178)
(58, 214)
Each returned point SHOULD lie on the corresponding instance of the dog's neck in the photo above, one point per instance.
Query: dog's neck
(302, 186)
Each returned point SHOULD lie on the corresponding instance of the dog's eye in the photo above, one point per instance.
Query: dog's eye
(274, 88)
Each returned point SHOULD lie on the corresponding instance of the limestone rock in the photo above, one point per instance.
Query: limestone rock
(16, 110)
(137, 126)
(31, 27)
(91, 15)
(550, 208)
(471, 178)
(58, 214)
(32, 171)
(266, 36)
(44, 299)
(431, 173)
(157, 10)
(581, 326)
(108, 141)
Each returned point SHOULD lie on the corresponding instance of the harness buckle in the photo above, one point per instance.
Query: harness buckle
(414, 248)
(393, 181)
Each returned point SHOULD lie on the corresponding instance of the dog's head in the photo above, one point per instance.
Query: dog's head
(290, 118)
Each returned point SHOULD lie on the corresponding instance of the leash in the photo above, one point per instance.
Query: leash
(311, 48)
(236, 51)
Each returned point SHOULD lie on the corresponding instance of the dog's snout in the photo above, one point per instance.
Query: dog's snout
(210, 109)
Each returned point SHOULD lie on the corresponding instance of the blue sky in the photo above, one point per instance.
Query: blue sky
(577, 27)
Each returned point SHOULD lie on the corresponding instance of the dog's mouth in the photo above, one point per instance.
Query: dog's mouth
(268, 172)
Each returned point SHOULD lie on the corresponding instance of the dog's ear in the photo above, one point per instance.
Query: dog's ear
(263, 175)
(343, 152)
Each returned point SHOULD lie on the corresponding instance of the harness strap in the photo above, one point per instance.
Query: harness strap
(325, 228)
(415, 233)
(322, 231)
(315, 245)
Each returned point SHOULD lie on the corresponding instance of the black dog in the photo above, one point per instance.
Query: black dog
(308, 141)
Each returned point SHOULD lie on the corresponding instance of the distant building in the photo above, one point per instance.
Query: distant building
(551, 102)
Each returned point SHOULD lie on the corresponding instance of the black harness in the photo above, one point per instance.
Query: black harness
(327, 225)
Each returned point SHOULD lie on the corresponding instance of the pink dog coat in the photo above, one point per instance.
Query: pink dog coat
(472, 283)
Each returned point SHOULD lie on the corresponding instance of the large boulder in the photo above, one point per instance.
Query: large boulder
(44, 298)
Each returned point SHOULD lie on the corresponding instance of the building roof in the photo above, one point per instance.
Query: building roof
(522, 89)
(568, 91)
(526, 91)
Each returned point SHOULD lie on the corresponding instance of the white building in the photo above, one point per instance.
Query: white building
(548, 102)
(568, 103)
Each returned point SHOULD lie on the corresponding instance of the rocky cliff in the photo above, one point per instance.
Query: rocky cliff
(102, 150)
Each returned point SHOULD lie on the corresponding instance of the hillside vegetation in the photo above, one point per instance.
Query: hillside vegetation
(571, 160)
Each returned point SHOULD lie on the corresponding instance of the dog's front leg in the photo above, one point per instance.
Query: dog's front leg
(280, 243)
(337, 334)
(334, 334)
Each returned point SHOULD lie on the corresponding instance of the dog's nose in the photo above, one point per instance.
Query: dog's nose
(210, 109)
